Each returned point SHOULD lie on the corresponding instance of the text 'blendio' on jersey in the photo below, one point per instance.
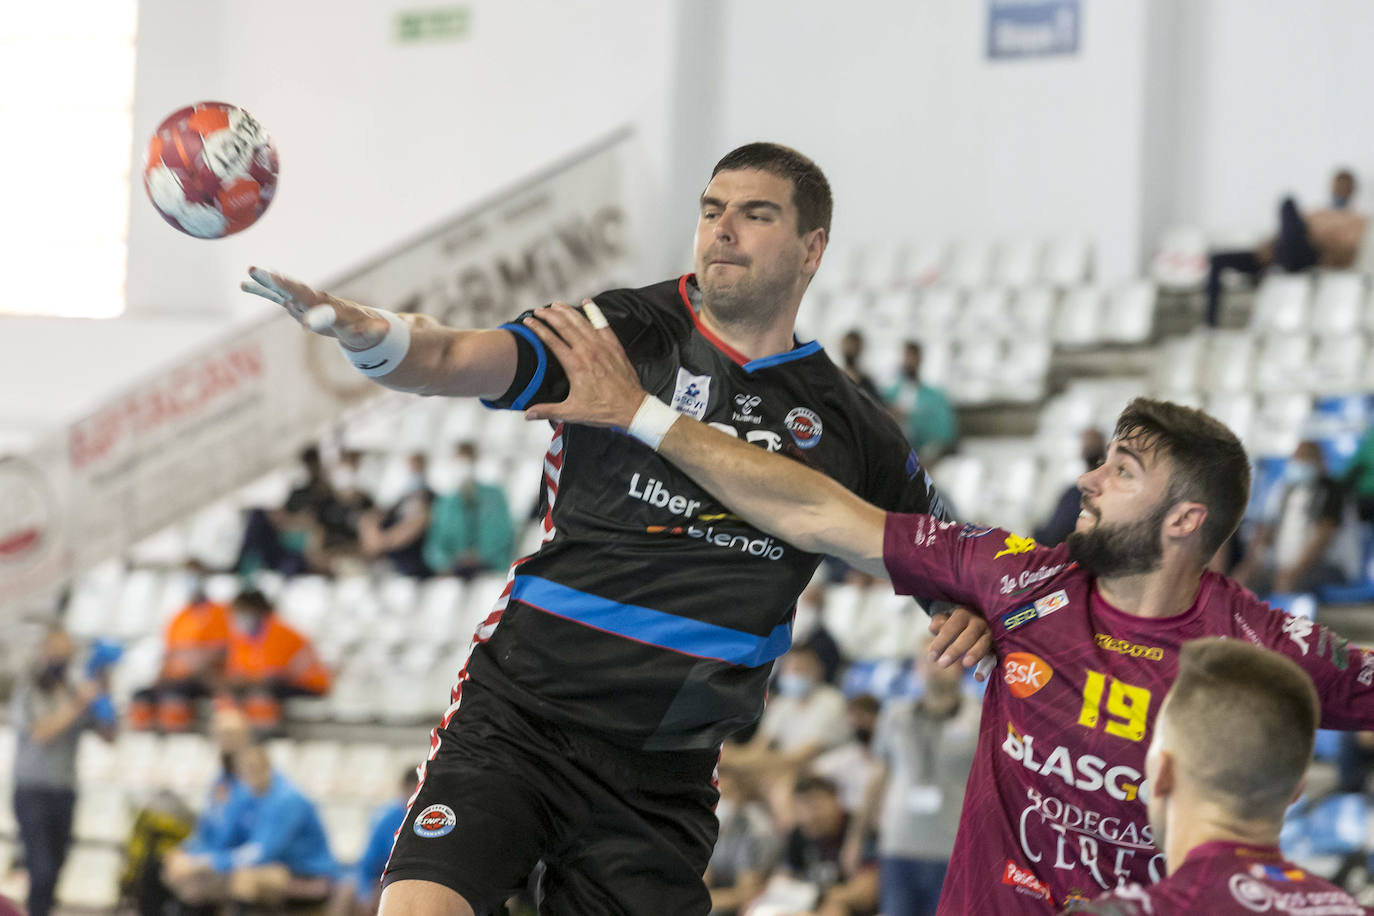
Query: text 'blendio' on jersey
(651, 614)
(1055, 807)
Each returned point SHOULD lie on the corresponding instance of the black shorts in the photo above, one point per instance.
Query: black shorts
(619, 831)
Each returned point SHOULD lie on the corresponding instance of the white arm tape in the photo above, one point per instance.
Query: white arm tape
(652, 421)
(381, 359)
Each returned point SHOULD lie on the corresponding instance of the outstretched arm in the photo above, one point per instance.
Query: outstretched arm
(439, 360)
(776, 495)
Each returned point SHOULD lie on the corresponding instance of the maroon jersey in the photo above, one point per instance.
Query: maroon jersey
(1229, 879)
(1055, 808)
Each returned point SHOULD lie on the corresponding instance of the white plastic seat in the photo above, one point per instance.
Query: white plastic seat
(979, 379)
(1181, 260)
(1236, 410)
(970, 265)
(1018, 263)
(164, 548)
(1228, 363)
(346, 823)
(1338, 364)
(846, 314)
(1077, 322)
(1279, 423)
(1032, 310)
(881, 267)
(1067, 262)
(1179, 365)
(840, 270)
(305, 602)
(1281, 304)
(986, 311)
(138, 604)
(960, 479)
(924, 264)
(1337, 303)
(939, 309)
(89, 880)
(1025, 369)
(91, 610)
(1130, 313)
(1282, 362)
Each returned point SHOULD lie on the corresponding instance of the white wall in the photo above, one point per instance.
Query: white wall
(1278, 95)
(379, 140)
(923, 137)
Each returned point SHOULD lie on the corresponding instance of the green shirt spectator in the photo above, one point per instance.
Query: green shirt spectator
(924, 412)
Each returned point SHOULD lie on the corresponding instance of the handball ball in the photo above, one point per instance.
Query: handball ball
(210, 170)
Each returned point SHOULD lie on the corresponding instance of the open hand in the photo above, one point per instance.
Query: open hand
(603, 388)
(353, 325)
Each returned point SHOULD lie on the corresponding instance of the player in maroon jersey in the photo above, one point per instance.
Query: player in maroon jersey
(1088, 632)
(1231, 745)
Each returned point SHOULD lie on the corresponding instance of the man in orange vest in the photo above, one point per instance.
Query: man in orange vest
(194, 647)
(268, 661)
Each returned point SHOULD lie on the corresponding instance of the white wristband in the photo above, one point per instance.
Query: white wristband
(384, 357)
(652, 421)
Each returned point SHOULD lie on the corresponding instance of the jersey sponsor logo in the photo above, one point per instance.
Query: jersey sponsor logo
(1052, 602)
(1277, 872)
(764, 438)
(1087, 773)
(805, 427)
(1126, 647)
(435, 821)
(1018, 617)
(975, 531)
(1025, 673)
(1024, 881)
(765, 547)
(1057, 834)
(1014, 585)
(1298, 630)
(1366, 675)
(693, 394)
(653, 492)
(745, 405)
(1015, 544)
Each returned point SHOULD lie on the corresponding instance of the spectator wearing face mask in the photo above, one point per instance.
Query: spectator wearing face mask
(285, 539)
(924, 749)
(49, 713)
(804, 717)
(341, 515)
(398, 534)
(852, 355)
(1302, 542)
(194, 646)
(471, 530)
(269, 662)
(814, 849)
(850, 766)
(1060, 524)
(746, 846)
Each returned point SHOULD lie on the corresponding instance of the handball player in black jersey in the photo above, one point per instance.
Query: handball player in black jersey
(585, 727)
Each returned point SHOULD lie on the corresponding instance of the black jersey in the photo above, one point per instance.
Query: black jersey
(651, 614)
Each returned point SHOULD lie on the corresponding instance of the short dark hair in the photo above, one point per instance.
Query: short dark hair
(252, 599)
(810, 190)
(813, 783)
(1210, 465)
(1246, 719)
(866, 702)
(1348, 175)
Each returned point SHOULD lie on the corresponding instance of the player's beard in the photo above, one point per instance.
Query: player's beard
(754, 301)
(1123, 549)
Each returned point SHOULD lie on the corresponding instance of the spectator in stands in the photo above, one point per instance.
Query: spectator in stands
(341, 515)
(924, 412)
(1359, 476)
(851, 765)
(809, 631)
(804, 717)
(399, 533)
(746, 846)
(1297, 546)
(359, 893)
(851, 354)
(813, 852)
(471, 530)
(48, 714)
(1330, 237)
(925, 749)
(269, 662)
(1060, 524)
(282, 539)
(271, 848)
(194, 647)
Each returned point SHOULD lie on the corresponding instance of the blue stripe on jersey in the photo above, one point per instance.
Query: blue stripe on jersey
(642, 624)
(523, 401)
(795, 353)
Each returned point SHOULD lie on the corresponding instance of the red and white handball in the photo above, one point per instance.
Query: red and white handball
(210, 170)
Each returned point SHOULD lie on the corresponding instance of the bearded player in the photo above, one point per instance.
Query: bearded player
(585, 728)
(1231, 747)
(1088, 632)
